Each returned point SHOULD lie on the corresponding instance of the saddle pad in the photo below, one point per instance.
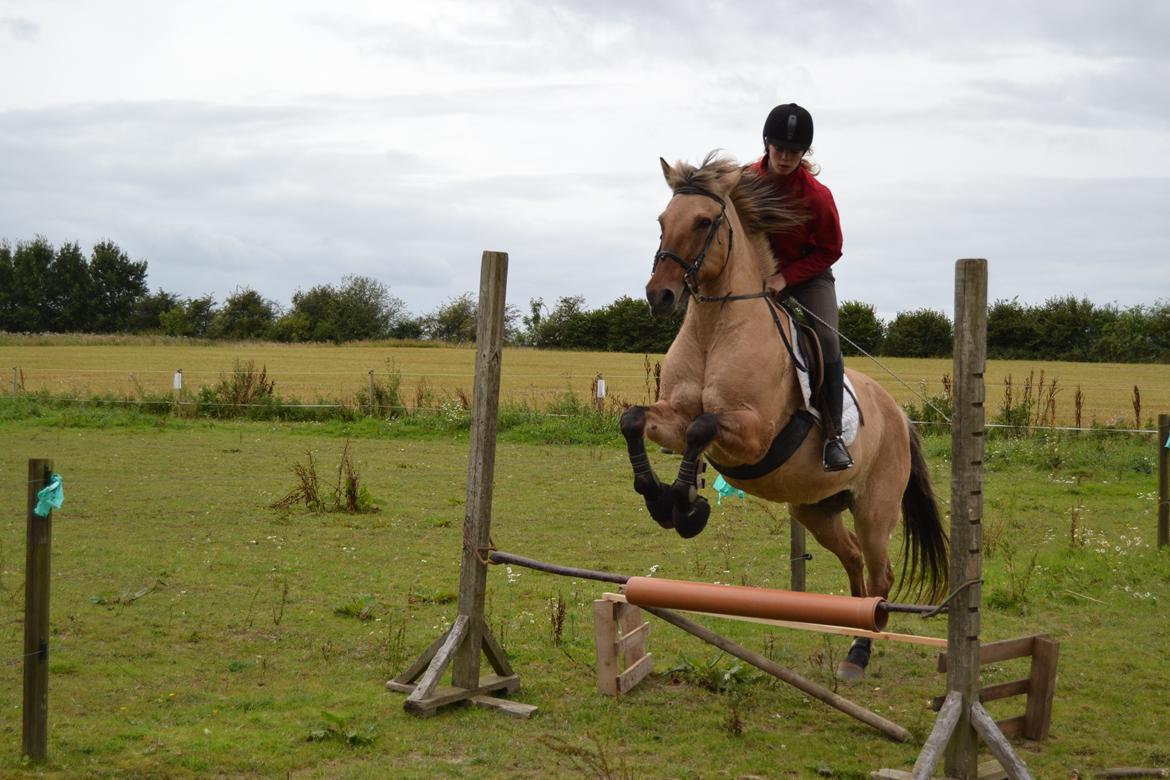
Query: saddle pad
(849, 413)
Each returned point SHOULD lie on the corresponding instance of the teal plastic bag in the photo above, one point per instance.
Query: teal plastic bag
(51, 496)
(723, 489)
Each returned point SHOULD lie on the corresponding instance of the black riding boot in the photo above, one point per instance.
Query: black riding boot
(835, 457)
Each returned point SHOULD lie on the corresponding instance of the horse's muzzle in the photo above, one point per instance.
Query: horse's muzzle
(663, 300)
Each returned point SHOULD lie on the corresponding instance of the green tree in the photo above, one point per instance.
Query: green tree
(859, 323)
(69, 299)
(245, 315)
(452, 321)
(32, 291)
(1011, 330)
(1068, 328)
(920, 333)
(150, 310)
(361, 308)
(629, 326)
(7, 276)
(192, 317)
(119, 284)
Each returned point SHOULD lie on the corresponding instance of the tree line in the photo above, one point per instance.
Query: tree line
(65, 290)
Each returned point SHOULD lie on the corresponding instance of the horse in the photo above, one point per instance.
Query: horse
(729, 387)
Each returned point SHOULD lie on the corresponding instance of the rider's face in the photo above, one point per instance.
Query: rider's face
(783, 161)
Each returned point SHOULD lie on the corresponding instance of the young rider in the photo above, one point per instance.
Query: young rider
(804, 256)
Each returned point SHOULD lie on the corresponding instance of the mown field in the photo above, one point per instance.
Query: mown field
(197, 631)
(131, 367)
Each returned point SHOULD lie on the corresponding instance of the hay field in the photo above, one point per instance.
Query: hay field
(80, 366)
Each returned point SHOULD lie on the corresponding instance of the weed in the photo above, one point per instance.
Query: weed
(280, 602)
(1015, 596)
(825, 659)
(337, 727)
(349, 495)
(712, 676)
(589, 760)
(556, 619)
(361, 608)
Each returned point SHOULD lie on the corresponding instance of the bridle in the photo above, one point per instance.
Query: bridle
(691, 270)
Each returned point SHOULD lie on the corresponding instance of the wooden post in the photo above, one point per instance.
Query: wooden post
(1163, 480)
(469, 637)
(967, 445)
(15, 386)
(485, 405)
(797, 550)
(36, 618)
(373, 402)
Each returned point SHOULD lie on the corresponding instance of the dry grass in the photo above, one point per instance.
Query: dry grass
(310, 372)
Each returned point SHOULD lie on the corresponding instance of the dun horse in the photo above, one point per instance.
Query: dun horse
(729, 387)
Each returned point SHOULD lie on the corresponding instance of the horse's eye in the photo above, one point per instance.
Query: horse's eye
(703, 223)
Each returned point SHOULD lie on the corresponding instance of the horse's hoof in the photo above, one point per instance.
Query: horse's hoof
(661, 508)
(849, 672)
(693, 522)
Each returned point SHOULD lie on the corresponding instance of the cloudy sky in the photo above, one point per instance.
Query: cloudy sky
(279, 145)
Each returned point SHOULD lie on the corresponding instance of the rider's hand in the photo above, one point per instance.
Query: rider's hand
(775, 285)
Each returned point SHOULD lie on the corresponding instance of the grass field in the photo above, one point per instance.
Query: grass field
(132, 367)
(196, 631)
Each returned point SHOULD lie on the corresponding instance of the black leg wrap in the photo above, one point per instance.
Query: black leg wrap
(659, 502)
(694, 520)
(859, 652)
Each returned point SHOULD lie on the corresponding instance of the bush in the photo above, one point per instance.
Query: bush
(859, 323)
(920, 333)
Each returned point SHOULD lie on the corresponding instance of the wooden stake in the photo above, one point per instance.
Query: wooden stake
(797, 549)
(1163, 480)
(35, 720)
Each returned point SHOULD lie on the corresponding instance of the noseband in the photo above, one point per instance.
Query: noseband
(691, 270)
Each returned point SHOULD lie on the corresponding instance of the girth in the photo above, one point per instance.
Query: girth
(786, 443)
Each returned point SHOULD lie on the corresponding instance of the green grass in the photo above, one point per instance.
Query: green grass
(197, 631)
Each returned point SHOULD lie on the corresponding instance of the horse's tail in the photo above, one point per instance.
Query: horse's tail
(924, 544)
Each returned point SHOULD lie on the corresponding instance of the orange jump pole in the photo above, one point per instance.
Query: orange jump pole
(742, 601)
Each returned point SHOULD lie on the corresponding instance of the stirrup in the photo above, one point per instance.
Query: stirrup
(835, 456)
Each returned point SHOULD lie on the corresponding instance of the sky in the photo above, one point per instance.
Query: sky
(283, 145)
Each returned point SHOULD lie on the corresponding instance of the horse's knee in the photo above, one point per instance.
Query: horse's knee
(702, 431)
(633, 422)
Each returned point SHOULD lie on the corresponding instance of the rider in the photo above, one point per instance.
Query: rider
(804, 256)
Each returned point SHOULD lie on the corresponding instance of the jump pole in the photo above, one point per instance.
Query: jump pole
(469, 637)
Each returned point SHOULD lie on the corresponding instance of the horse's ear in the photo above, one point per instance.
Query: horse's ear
(667, 171)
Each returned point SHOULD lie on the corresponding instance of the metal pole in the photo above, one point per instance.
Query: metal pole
(35, 718)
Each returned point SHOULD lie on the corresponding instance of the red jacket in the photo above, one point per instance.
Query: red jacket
(809, 250)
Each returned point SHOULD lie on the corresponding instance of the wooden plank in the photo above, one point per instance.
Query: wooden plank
(635, 673)
(1163, 477)
(511, 708)
(495, 654)
(449, 694)
(994, 652)
(991, 770)
(966, 537)
(632, 645)
(604, 639)
(430, 678)
(854, 710)
(940, 735)
(1038, 711)
(1011, 727)
(481, 463)
(998, 745)
(421, 663)
(992, 692)
(914, 639)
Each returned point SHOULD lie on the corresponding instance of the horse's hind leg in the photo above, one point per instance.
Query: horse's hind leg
(830, 531)
(646, 483)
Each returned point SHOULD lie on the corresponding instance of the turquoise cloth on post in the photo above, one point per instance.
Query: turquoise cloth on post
(723, 489)
(50, 497)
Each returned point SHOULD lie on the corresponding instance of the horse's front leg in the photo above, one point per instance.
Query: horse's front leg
(646, 483)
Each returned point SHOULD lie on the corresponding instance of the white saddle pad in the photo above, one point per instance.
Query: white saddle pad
(850, 418)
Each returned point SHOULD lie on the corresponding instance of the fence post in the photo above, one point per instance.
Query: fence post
(797, 549)
(599, 393)
(35, 717)
(15, 387)
(1163, 480)
(373, 402)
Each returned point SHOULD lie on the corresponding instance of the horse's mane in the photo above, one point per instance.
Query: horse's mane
(760, 208)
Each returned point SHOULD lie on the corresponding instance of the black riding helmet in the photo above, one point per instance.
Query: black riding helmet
(789, 127)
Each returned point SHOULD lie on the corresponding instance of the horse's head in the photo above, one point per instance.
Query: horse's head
(696, 231)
